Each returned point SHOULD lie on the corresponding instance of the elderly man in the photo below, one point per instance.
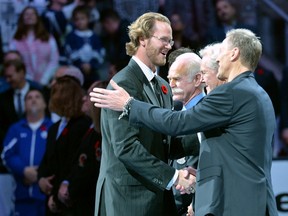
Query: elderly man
(186, 83)
(235, 163)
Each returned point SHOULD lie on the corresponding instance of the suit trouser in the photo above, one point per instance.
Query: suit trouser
(102, 210)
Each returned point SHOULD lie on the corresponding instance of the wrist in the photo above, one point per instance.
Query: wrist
(126, 108)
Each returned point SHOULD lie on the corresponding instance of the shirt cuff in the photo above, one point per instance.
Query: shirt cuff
(173, 180)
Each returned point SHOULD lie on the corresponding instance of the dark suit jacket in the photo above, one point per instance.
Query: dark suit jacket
(60, 154)
(134, 171)
(233, 176)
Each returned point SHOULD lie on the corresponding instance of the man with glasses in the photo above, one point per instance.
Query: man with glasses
(134, 177)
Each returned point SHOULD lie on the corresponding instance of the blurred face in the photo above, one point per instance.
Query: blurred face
(225, 11)
(110, 25)
(157, 46)
(81, 21)
(183, 88)
(14, 78)
(209, 76)
(176, 23)
(34, 102)
(30, 17)
(224, 61)
(87, 105)
(11, 56)
(59, 73)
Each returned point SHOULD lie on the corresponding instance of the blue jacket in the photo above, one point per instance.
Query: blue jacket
(24, 147)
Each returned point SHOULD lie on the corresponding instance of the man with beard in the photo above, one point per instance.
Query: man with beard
(135, 178)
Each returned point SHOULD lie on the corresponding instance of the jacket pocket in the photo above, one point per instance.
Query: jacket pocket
(209, 191)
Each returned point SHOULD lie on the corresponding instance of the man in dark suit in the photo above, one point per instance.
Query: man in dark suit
(11, 111)
(233, 176)
(135, 178)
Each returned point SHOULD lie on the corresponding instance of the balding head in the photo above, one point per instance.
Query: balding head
(185, 77)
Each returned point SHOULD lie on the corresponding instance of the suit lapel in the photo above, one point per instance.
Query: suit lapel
(165, 96)
(148, 91)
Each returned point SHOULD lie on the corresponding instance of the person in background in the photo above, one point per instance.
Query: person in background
(64, 139)
(236, 161)
(37, 47)
(78, 191)
(56, 19)
(180, 40)
(24, 147)
(114, 37)
(83, 47)
(226, 13)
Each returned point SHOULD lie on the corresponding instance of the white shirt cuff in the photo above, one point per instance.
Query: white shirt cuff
(173, 180)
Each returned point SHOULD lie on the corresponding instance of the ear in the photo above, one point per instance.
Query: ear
(142, 41)
(235, 53)
(198, 79)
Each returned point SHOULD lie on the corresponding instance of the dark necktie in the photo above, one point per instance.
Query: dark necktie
(157, 90)
(19, 101)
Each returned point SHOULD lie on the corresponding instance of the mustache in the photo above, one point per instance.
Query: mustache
(176, 90)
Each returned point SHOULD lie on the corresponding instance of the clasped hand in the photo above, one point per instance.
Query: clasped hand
(186, 180)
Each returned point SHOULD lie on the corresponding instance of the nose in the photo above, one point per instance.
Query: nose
(172, 83)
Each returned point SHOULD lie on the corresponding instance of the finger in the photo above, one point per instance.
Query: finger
(98, 90)
(114, 84)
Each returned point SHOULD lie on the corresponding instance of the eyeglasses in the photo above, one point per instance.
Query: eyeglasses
(164, 40)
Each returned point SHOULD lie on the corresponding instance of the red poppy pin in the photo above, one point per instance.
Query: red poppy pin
(64, 132)
(98, 151)
(260, 71)
(164, 89)
(43, 128)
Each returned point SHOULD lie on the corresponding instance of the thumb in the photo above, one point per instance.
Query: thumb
(191, 170)
(114, 85)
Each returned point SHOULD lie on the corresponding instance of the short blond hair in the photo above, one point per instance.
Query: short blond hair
(249, 45)
(142, 27)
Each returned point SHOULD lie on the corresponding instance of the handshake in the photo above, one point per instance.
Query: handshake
(186, 180)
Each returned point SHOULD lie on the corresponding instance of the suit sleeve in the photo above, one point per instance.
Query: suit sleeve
(212, 112)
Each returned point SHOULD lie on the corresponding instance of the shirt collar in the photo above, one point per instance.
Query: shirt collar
(24, 90)
(146, 70)
(194, 101)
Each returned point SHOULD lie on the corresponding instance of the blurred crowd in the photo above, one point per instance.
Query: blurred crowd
(53, 53)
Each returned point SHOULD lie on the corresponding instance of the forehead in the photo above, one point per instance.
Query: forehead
(177, 69)
(34, 94)
(162, 27)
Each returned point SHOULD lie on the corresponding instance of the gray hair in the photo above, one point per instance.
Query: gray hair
(211, 51)
(249, 45)
(191, 62)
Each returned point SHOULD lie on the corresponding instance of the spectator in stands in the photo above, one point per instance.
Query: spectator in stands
(83, 47)
(37, 47)
(64, 138)
(24, 147)
(56, 20)
(114, 37)
(226, 13)
(78, 192)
